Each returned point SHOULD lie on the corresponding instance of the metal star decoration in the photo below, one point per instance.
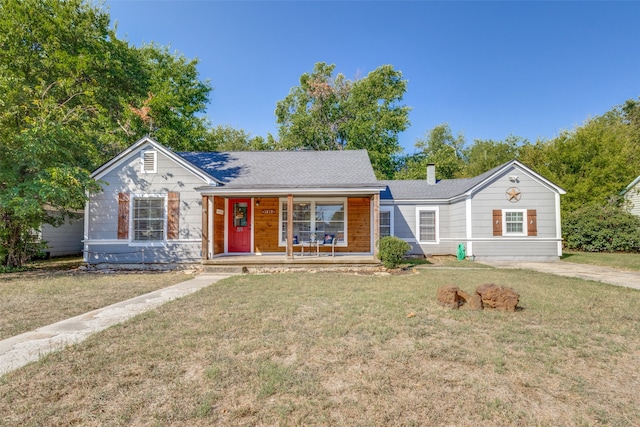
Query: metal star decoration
(513, 194)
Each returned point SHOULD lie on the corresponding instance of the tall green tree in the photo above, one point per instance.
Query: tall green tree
(327, 112)
(69, 90)
(484, 155)
(172, 111)
(226, 138)
(439, 146)
(593, 162)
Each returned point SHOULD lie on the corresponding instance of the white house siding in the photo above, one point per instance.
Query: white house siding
(633, 198)
(534, 195)
(405, 227)
(63, 240)
(101, 241)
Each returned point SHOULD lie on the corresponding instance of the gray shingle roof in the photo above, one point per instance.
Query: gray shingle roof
(265, 169)
(418, 189)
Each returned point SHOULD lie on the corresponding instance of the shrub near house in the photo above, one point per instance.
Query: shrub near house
(602, 229)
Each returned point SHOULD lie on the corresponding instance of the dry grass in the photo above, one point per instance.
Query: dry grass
(32, 299)
(626, 261)
(337, 349)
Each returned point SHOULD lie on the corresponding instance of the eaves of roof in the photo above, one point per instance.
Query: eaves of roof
(630, 186)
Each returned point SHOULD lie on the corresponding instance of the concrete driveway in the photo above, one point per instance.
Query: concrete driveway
(612, 276)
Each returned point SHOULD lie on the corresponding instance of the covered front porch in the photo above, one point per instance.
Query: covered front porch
(295, 228)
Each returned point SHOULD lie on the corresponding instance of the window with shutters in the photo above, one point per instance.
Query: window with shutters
(427, 225)
(154, 218)
(150, 161)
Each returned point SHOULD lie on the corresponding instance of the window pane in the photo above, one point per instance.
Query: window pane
(427, 226)
(514, 222)
(329, 219)
(314, 220)
(385, 223)
(148, 219)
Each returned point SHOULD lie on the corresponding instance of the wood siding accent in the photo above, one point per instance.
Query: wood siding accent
(532, 222)
(123, 216)
(205, 227)
(173, 215)
(265, 225)
(218, 225)
(497, 222)
(359, 225)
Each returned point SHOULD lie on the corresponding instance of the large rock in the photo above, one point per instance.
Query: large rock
(448, 296)
(498, 297)
(475, 302)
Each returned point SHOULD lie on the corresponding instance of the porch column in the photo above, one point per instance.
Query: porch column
(205, 228)
(376, 223)
(290, 226)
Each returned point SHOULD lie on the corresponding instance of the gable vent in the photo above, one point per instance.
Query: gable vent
(149, 161)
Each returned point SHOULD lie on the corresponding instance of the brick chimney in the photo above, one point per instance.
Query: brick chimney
(431, 174)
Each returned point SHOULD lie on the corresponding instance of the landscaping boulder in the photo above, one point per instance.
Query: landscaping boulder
(475, 302)
(448, 296)
(498, 297)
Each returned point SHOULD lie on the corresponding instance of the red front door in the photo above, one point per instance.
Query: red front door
(239, 225)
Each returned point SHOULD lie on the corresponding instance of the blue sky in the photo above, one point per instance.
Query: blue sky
(488, 69)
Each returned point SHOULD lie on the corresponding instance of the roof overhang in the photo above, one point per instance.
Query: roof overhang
(413, 201)
(630, 186)
(283, 191)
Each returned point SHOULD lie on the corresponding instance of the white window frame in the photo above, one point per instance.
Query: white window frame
(143, 163)
(132, 241)
(313, 201)
(524, 222)
(390, 210)
(437, 224)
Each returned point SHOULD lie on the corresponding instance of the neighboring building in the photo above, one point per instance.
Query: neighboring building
(631, 195)
(65, 239)
(507, 213)
(164, 207)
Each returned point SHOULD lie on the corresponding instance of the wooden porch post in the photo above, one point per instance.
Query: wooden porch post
(290, 226)
(205, 228)
(376, 223)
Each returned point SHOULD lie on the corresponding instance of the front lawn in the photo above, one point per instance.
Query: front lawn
(49, 293)
(345, 349)
(614, 260)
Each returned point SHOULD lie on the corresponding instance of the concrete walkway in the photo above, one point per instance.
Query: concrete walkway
(22, 349)
(612, 276)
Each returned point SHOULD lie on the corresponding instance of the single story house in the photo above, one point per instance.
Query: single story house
(631, 195)
(507, 213)
(159, 206)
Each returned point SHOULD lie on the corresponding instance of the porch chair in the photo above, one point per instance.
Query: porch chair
(330, 239)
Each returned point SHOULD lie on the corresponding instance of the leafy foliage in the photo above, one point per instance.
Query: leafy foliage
(485, 155)
(226, 138)
(392, 250)
(72, 96)
(592, 162)
(602, 229)
(327, 112)
(439, 147)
